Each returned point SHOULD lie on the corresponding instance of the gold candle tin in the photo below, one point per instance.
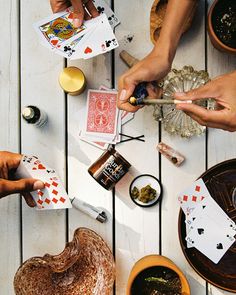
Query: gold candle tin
(72, 80)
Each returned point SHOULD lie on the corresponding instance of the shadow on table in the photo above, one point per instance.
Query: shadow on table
(122, 188)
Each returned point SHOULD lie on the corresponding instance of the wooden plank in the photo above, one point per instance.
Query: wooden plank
(191, 51)
(43, 232)
(81, 154)
(137, 229)
(219, 63)
(9, 133)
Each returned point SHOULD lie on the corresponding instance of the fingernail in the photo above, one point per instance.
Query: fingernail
(180, 93)
(38, 185)
(123, 94)
(76, 23)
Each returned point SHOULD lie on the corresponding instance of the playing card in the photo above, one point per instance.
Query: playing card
(102, 114)
(208, 207)
(98, 41)
(191, 196)
(58, 28)
(68, 49)
(211, 240)
(103, 7)
(54, 195)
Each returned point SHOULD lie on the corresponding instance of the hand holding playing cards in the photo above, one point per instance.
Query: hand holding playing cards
(153, 67)
(223, 90)
(9, 162)
(82, 9)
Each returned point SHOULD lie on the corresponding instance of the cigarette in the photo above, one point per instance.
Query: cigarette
(165, 101)
(89, 210)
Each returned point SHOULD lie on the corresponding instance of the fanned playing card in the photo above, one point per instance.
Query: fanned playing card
(192, 195)
(211, 240)
(103, 7)
(98, 41)
(54, 195)
(54, 30)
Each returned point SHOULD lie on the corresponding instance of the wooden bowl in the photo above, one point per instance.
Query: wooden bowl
(221, 182)
(216, 42)
(156, 260)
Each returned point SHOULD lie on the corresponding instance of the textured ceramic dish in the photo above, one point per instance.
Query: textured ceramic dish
(221, 183)
(85, 267)
(140, 182)
(156, 260)
(175, 121)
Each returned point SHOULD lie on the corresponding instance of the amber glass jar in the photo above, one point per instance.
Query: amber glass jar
(109, 168)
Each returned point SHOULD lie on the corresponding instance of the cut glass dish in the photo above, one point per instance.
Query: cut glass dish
(174, 121)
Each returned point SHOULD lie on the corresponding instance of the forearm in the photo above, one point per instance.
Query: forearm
(177, 13)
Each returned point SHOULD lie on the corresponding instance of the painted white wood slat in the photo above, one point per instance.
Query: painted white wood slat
(9, 140)
(137, 229)
(221, 144)
(81, 154)
(191, 51)
(43, 232)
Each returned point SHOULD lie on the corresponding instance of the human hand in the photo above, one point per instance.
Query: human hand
(153, 67)
(223, 90)
(83, 9)
(8, 164)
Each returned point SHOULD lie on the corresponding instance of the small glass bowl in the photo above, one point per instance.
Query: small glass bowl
(176, 122)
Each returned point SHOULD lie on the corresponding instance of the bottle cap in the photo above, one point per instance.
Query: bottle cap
(72, 80)
(28, 113)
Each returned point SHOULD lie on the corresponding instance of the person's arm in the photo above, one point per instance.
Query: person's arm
(79, 13)
(223, 90)
(8, 164)
(158, 63)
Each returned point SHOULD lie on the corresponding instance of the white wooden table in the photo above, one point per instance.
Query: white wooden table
(29, 75)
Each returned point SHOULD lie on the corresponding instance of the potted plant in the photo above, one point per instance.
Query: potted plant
(156, 274)
(222, 25)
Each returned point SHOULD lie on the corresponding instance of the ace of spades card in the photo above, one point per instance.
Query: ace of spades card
(53, 196)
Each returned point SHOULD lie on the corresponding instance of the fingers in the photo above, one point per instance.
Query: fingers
(91, 8)
(207, 91)
(78, 15)
(8, 187)
(209, 118)
(29, 200)
(59, 5)
(127, 84)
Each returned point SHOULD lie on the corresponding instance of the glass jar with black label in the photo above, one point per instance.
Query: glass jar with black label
(109, 168)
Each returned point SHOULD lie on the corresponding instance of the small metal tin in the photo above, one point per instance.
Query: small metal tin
(72, 80)
(140, 182)
(109, 168)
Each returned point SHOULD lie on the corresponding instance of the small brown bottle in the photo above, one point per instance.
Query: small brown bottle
(109, 168)
(33, 115)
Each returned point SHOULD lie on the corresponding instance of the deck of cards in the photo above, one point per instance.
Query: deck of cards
(103, 120)
(94, 37)
(54, 195)
(208, 228)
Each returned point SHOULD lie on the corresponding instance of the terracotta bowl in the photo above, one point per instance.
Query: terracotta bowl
(156, 260)
(216, 42)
